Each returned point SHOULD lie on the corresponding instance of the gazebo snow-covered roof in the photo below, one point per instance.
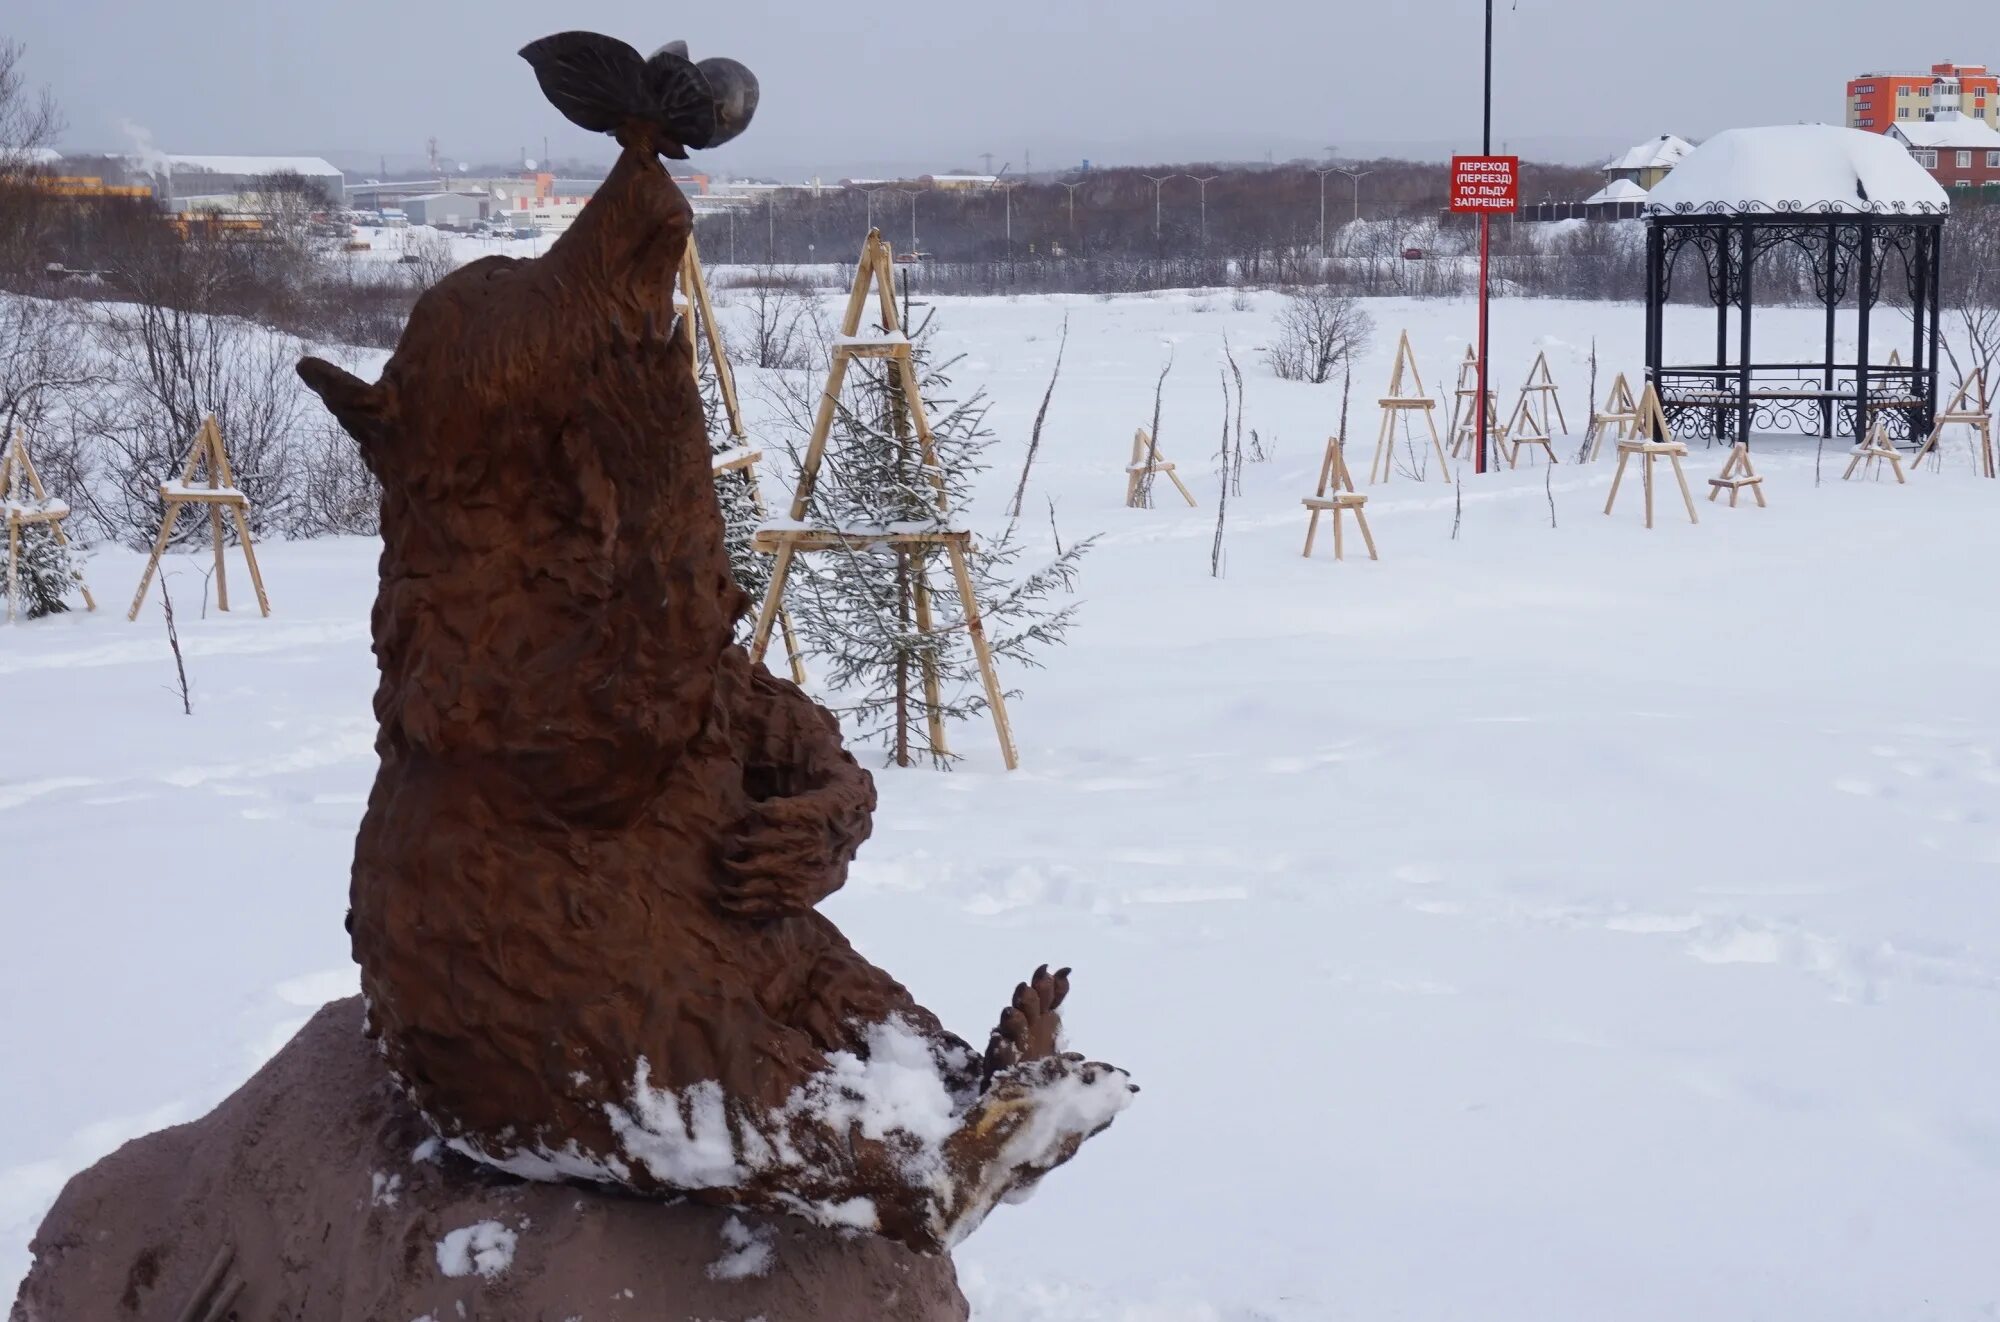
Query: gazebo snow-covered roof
(1857, 215)
(1798, 167)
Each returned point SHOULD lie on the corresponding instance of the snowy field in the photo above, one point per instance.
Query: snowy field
(1554, 924)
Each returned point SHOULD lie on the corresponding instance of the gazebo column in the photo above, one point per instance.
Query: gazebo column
(1864, 304)
(1718, 288)
(1920, 276)
(1656, 249)
(1746, 265)
(1934, 234)
(1832, 289)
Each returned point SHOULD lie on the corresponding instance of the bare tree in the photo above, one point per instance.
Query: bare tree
(1143, 490)
(1318, 330)
(29, 120)
(1971, 295)
(785, 322)
(45, 358)
(1222, 494)
(336, 493)
(427, 259)
(29, 123)
(286, 201)
(183, 365)
(1041, 416)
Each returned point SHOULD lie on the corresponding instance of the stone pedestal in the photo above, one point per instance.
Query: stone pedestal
(314, 1194)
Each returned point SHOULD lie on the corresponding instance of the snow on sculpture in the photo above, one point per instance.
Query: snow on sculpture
(583, 892)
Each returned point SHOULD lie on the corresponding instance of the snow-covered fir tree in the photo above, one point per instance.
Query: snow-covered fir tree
(733, 490)
(858, 609)
(48, 574)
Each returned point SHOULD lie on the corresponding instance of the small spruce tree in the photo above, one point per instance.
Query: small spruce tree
(47, 571)
(733, 491)
(858, 608)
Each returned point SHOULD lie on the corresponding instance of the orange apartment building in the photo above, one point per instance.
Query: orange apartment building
(1875, 101)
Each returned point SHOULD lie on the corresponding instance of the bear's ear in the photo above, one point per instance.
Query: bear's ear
(361, 409)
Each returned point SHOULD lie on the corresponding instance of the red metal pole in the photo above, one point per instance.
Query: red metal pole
(1479, 448)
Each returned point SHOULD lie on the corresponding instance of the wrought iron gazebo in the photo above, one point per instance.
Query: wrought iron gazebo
(1861, 211)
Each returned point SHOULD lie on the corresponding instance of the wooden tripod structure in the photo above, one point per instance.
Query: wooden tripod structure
(206, 480)
(1538, 407)
(1336, 494)
(1405, 396)
(1541, 387)
(1620, 411)
(1652, 423)
(1464, 421)
(27, 504)
(697, 313)
(1146, 461)
(875, 273)
(1874, 452)
(1736, 475)
(1961, 411)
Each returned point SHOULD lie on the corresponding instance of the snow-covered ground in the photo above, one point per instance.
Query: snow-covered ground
(1556, 923)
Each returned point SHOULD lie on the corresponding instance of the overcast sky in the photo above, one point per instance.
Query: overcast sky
(872, 87)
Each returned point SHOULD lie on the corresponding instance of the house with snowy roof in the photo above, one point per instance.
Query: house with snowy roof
(1962, 153)
(1631, 175)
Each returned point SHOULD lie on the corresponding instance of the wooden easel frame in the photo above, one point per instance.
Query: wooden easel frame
(1146, 461)
(218, 494)
(1874, 451)
(1959, 412)
(875, 271)
(1336, 494)
(1620, 410)
(17, 471)
(1541, 381)
(1737, 474)
(1465, 422)
(695, 306)
(1652, 422)
(1525, 429)
(1398, 401)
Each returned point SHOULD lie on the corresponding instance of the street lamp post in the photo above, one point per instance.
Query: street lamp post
(870, 193)
(1357, 176)
(1331, 169)
(1072, 206)
(1007, 191)
(1157, 180)
(1204, 183)
(913, 194)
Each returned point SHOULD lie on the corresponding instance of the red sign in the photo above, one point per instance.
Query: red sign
(1485, 183)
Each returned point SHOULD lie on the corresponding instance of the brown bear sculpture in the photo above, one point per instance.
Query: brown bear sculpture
(583, 891)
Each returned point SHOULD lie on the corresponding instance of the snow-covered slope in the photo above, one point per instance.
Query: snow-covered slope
(1555, 923)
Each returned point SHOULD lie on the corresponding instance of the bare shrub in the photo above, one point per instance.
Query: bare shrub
(28, 116)
(45, 361)
(785, 325)
(336, 492)
(1318, 331)
(182, 366)
(427, 259)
